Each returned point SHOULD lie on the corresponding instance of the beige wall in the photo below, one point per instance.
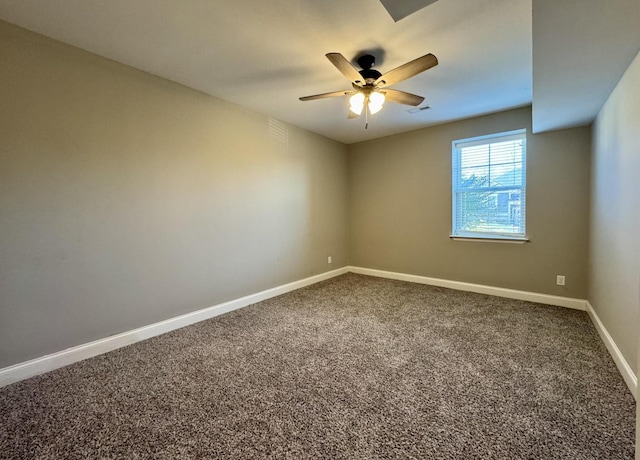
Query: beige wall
(400, 208)
(126, 199)
(614, 265)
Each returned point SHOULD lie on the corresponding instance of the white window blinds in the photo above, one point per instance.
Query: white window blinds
(489, 186)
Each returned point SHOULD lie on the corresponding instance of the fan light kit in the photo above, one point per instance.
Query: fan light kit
(375, 100)
(370, 87)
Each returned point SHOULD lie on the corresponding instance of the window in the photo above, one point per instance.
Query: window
(489, 186)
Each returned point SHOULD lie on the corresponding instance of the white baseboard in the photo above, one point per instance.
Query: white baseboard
(63, 358)
(623, 366)
(568, 302)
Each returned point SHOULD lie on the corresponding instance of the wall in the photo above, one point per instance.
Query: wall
(126, 199)
(614, 264)
(400, 208)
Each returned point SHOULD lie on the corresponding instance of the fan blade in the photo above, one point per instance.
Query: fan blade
(400, 97)
(345, 67)
(407, 70)
(352, 115)
(323, 95)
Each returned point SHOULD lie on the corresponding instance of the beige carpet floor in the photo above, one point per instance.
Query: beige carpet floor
(355, 367)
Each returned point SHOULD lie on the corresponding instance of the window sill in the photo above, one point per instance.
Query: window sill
(491, 239)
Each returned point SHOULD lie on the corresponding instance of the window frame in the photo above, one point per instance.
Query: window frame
(456, 152)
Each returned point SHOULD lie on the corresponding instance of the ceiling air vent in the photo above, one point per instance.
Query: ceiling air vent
(418, 109)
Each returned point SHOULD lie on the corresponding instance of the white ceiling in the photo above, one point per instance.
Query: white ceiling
(580, 52)
(264, 54)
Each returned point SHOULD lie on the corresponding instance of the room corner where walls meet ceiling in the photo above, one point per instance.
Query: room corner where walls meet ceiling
(494, 55)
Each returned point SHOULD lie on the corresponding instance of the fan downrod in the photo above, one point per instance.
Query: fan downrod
(366, 61)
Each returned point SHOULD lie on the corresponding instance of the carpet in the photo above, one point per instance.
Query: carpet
(355, 367)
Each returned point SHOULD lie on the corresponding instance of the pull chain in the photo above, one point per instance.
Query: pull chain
(366, 116)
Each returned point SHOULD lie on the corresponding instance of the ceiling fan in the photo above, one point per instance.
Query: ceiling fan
(370, 87)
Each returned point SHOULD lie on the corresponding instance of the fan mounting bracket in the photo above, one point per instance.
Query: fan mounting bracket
(366, 61)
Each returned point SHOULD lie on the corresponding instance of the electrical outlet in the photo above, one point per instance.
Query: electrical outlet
(329, 259)
(560, 280)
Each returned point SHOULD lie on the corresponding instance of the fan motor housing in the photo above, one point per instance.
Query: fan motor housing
(370, 74)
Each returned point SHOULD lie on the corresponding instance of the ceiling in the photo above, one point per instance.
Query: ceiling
(264, 55)
(580, 51)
